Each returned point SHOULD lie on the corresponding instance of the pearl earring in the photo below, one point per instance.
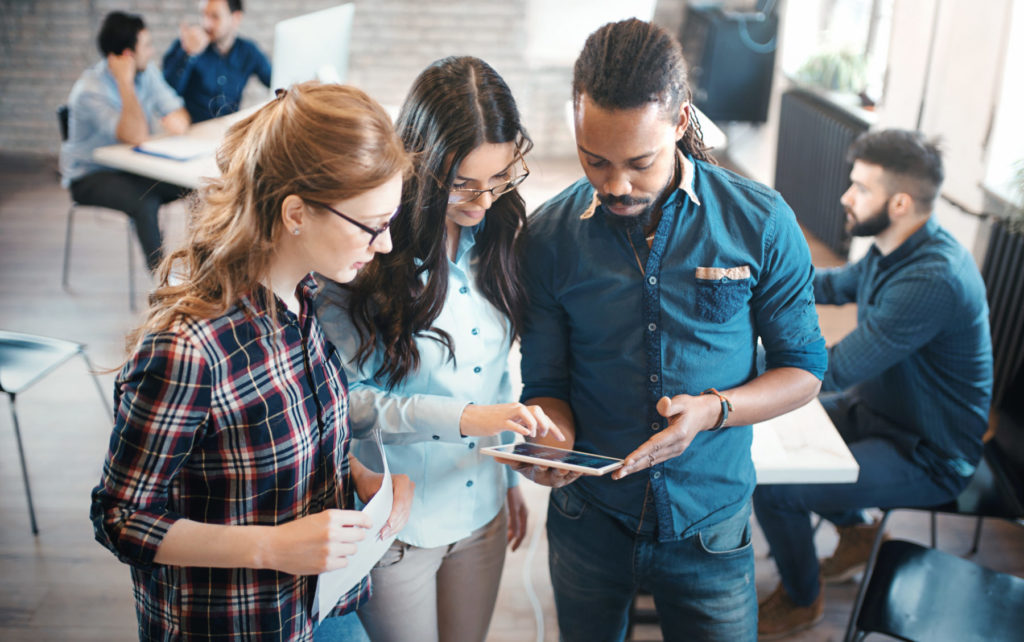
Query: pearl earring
(295, 231)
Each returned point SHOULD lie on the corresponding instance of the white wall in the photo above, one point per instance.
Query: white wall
(1006, 144)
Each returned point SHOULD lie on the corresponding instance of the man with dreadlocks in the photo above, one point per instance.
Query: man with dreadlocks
(650, 283)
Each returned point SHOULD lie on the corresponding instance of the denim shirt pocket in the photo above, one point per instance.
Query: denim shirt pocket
(722, 292)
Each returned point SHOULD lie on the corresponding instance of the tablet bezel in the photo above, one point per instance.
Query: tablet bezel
(503, 452)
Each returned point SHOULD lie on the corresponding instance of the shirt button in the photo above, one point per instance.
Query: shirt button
(477, 369)
(221, 80)
(725, 279)
(655, 425)
(475, 331)
(654, 378)
(436, 438)
(463, 290)
(656, 474)
(652, 280)
(651, 327)
(469, 483)
(472, 445)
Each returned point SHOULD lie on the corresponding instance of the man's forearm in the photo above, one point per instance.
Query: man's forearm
(771, 394)
(132, 127)
(177, 68)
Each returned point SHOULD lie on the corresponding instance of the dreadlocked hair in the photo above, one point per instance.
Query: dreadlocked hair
(627, 64)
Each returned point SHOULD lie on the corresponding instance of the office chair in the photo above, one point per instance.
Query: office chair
(63, 114)
(918, 593)
(24, 360)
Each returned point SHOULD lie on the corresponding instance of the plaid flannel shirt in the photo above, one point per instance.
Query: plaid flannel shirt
(238, 420)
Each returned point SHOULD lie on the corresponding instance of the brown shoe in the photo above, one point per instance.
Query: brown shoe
(851, 554)
(778, 616)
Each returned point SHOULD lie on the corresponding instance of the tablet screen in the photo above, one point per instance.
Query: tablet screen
(571, 457)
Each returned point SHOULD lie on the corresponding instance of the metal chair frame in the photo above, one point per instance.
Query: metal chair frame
(24, 360)
(63, 114)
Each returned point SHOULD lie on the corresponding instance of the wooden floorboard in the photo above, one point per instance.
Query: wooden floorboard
(62, 585)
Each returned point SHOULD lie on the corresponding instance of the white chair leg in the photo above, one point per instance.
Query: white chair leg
(131, 266)
(67, 247)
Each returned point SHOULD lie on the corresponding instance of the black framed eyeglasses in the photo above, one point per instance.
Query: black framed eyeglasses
(465, 195)
(372, 231)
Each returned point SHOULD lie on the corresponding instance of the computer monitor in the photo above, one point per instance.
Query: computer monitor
(312, 47)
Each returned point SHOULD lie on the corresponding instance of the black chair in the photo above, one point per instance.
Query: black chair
(63, 114)
(993, 491)
(24, 360)
(919, 593)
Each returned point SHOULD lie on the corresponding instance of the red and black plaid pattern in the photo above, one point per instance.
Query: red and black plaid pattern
(239, 420)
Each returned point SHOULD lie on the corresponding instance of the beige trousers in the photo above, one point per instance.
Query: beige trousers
(443, 594)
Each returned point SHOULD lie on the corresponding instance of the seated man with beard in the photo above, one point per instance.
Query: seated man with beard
(908, 389)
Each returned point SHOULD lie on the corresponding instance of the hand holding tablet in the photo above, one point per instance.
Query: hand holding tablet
(551, 457)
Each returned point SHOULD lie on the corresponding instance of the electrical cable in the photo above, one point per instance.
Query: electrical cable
(531, 595)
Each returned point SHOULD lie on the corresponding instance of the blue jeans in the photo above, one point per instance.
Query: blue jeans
(346, 628)
(890, 476)
(703, 586)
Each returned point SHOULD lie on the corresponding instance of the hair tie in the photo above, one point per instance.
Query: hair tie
(280, 92)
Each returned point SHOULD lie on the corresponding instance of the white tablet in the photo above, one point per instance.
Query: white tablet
(574, 460)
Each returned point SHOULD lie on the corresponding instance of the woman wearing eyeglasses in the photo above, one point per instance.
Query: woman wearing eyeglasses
(426, 334)
(228, 485)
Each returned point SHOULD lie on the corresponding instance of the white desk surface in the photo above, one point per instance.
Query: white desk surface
(802, 446)
(188, 173)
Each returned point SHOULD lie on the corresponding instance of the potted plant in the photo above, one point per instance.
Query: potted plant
(1015, 218)
(839, 72)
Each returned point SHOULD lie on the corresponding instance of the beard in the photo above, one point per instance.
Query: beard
(641, 220)
(645, 217)
(872, 225)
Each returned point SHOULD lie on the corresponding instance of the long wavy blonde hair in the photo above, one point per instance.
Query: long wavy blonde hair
(321, 142)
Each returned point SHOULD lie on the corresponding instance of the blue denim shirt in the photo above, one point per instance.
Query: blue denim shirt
(728, 265)
(211, 83)
(921, 354)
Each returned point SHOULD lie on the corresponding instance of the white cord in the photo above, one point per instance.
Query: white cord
(538, 612)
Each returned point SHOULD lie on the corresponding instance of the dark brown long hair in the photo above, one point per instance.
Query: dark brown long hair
(455, 105)
(321, 142)
(628, 64)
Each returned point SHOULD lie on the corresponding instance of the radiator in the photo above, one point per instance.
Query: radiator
(811, 171)
(1003, 271)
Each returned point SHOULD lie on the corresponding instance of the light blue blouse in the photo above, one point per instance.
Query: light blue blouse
(94, 108)
(457, 489)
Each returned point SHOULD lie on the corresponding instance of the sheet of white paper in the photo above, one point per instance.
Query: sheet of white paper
(180, 148)
(334, 584)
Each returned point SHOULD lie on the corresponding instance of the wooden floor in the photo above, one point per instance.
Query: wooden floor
(62, 585)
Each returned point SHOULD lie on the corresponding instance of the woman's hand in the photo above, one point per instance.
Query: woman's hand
(529, 421)
(401, 505)
(517, 517)
(316, 543)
